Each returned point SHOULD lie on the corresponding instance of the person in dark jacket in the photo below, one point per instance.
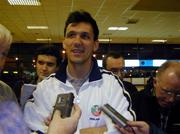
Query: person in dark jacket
(162, 107)
(115, 62)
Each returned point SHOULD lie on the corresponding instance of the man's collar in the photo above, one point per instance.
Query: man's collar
(94, 75)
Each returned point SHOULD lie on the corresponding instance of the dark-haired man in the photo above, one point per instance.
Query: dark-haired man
(114, 62)
(91, 86)
(47, 61)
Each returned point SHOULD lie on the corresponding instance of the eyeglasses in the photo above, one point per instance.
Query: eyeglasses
(116, 70)
(170, 92)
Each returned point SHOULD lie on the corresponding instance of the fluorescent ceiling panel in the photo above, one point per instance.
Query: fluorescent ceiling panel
(123, 28)
(118, 28)
(44, 39)
(37, 27)
(105, 40)
(161, 41)
(25, 2)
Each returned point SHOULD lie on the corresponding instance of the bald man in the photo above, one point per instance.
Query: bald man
(162, 107)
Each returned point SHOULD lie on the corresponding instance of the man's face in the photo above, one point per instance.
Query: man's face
(115, 65)
(3, 54)
(79, 43)
(167, 89)
(46, 65)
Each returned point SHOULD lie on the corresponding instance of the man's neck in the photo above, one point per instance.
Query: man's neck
(39, 80)
(79, 71)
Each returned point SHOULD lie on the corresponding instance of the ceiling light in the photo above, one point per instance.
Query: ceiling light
(37, 27)
(44, 39)
(160, 41)
(123, 28)
(113, 28)
(25, 2)
(117, 28)
(105, 40)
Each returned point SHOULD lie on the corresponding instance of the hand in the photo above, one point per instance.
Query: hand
(67, 125)
(47, 121)
(135, 127)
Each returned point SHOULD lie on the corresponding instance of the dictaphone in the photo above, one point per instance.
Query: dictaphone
(64, 103)
(115, 116)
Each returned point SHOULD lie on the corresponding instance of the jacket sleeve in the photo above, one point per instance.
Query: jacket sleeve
(36, 110)
(119, 99)
(6, 93)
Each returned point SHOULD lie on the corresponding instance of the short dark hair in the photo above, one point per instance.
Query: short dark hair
(113, 54)
(50, 50)
(82, 16)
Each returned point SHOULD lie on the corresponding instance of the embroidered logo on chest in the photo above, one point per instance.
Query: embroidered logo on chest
(95, 110)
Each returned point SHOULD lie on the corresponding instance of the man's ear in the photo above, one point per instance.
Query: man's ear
(64, 46)
(154, 81)
(96, 45)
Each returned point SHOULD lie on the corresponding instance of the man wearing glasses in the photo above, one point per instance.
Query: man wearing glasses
(162, 108)
(115, 62)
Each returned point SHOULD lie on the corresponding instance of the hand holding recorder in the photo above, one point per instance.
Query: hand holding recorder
(139, 127)
(115, 116)
(64, 103)
(121, 123)
(63, 122)
(66, 125)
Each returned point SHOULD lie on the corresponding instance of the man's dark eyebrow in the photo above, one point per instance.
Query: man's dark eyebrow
(73, 32)
(70, 32)
(85, 33)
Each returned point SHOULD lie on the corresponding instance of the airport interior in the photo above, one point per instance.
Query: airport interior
(145, 32)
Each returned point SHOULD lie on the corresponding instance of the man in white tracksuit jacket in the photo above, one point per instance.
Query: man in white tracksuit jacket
(91, 86)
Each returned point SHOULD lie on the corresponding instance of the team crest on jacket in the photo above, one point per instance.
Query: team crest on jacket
(95, 110)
